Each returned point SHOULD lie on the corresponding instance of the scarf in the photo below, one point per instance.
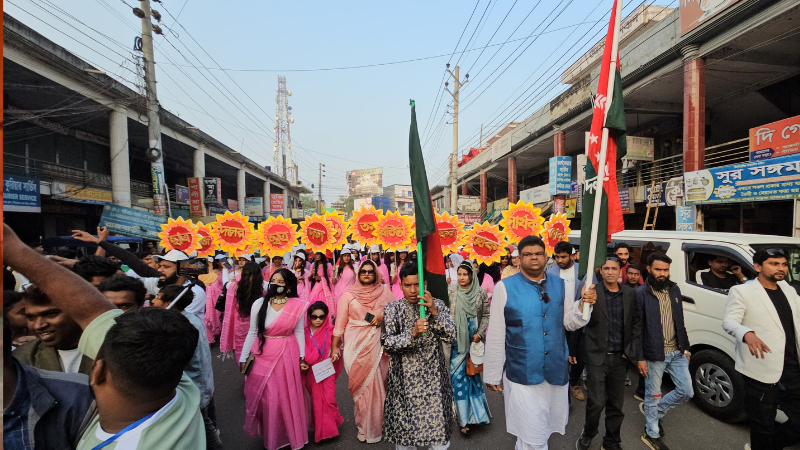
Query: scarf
(465, 307)
(372, 296)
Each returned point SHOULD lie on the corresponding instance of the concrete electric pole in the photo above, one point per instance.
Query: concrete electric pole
(454, 156)
(319, 190)
(154, 152)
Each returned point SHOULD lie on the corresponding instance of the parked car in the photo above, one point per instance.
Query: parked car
(719, 389)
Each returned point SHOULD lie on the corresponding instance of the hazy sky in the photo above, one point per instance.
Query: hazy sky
(346, 119)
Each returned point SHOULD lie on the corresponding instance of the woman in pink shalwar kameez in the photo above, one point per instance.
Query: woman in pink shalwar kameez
(299, 269)
(273, 390)
(324, 416)
(320, 283)
(401, 258)
(344, 277)
(364, 360)
(241, 296)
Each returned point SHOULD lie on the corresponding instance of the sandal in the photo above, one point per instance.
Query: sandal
(465, 431)
(362, 437)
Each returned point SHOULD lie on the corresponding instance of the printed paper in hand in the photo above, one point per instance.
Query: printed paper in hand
(323, 370)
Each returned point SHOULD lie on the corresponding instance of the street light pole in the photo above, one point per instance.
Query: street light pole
(454, 156)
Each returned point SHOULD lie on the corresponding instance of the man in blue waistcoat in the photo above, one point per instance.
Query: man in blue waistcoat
(526, 340)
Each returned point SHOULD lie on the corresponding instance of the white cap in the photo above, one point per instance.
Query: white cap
(172, 256)
(375, 249)
(354, 248)
(301, 247)
(515, 253)
(404, 249)
(221, 256)
(300, 255)
(246, 256)
(346, 248)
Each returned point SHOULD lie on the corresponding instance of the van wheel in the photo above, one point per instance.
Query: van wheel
(718, 387)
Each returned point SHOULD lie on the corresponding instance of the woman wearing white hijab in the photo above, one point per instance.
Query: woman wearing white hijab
(452, 270)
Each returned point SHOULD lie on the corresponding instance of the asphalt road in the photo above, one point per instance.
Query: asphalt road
(686, 426)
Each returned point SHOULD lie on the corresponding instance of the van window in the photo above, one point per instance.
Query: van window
(640, 250)
(793, 252)
(716, 268)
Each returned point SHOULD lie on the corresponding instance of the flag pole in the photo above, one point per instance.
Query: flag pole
(421, 281)
(601, 161)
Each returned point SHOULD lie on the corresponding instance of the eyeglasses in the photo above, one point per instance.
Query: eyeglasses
(776, 252)
(613, 258)
(366, 272)
(316, 317)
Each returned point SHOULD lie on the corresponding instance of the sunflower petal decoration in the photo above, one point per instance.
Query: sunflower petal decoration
(555, 230)
(451, 232)
(317, 233)
(232, 231)
(521, 220)
(180, 235)
(207, 245)
(276, 236)
(412, 244)
(341, 229)
(394, 231)
(485, 243)
(363, 224)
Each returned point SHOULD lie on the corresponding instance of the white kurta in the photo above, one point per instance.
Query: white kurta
(533, 412)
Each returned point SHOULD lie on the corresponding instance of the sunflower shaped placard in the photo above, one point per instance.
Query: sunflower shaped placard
(521, 220)
(180, 235)
(555, 230)
(412, 244)
(233, 232)
(485, 243)
(451, 232)
(394, 231)
(276, 236)
(341, 229)
(207, 245)
(363, 224)
(317, 233)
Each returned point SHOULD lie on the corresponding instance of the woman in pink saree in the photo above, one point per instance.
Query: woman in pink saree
(344, 276)
(301, 273)
(320, 283)
(400, 259)
(241, 296)
(212, 318)
(324, 416)
(364, 360)
(273, 390)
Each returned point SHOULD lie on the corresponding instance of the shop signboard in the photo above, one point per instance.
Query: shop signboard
(767, 179)
(254, 206)
(776, 139)
(625, 200)
(656, 193)
(640, 148)
(560, 175)
(212, 192)
(469, 204)
(132, 222)
(571, 207)
(233, 205)
(469, 219)
(697, 12)
(673, 190)
(179, 210)
(540, 194)
(196, 191)
(685, 217)
(80, 194)
(181, 194)
(21, 194)
(276, 203)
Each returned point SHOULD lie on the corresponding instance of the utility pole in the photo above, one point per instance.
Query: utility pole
(154, 151)
(319, 187)
(454, 157)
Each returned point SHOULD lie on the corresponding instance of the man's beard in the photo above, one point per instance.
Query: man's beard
(170, 280)
(658, 285)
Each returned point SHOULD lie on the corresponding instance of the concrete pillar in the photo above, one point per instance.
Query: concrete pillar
(120, 163)
(464, 189)
(240, 188)
(266, 198)
(512, 180)
(559, 150)
(694, 108)
(483, 195)
(200, 161)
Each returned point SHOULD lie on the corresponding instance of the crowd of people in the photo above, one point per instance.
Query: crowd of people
(112, 350)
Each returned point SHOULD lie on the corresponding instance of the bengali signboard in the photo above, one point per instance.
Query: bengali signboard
(625, 200)
(697, 12)
(233, 205)
(469, 204)
(196, 190)
(560, 175)
(640, 148)
(80, 194)
(540, 194)
(181, 194)
(571, 206)
(655, 191)
(132, 222)
(212, 191)
(469, 219)
(769, 179)
(21, 194)
(776, 139)
(685, 218)
(276, 202)
(254, 207)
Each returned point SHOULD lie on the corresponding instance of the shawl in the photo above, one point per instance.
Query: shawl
(376, 295)
(466, 307)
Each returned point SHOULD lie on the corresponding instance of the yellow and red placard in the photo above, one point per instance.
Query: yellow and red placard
(233, 232)
(520, 220)
(412, 244)
(394, 231)
(180, 235)
(341, 229)
(207, 245)
(276, 236)
(485, 243)
(555, 230)
(451, 232)
(317, 233)
(363, 224)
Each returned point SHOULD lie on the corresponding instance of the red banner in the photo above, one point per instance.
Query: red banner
(196, 206)
(276, 203)
(775, 139)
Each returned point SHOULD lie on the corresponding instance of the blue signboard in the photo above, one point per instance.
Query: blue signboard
(560, 175)
(132, 222)
(21, 194)
(685, 218)
(769, 179)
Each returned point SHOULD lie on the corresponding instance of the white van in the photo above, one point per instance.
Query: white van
(719, 389)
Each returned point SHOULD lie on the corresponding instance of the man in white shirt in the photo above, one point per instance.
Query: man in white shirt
(168, 274)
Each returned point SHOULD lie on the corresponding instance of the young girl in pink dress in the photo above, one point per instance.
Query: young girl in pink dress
(324, 416)
(400, 258)
(344, 275)
(241, 296)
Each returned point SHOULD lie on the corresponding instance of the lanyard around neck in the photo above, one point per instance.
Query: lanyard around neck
(324, 341)
(123, 431)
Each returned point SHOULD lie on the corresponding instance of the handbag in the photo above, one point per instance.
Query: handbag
(476, 350)
(248, 364)
(220, 305)
(472, 369)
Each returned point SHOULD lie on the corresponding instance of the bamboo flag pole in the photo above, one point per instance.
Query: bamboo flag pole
(601, 161)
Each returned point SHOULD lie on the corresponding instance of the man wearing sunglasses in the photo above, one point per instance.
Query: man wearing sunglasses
(764, 317)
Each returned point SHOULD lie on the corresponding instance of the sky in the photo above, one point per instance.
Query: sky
(218, 63)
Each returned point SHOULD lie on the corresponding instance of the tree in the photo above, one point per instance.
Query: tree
(348, 205)
(308, 202)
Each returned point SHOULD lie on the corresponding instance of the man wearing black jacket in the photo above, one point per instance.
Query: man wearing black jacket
(662, 344)
(608, 346)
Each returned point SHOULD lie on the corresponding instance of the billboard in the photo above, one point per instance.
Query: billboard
(365, 182)
(196, 190)
(212, 192)
(775, 139)
(132, 222)
(640, 148)
(21, 194)
(697, 12)
(254, 206)
(560, 175)
(468, 204)
(535, 195)
(276, 203)
(181, 194)
(80, 194)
